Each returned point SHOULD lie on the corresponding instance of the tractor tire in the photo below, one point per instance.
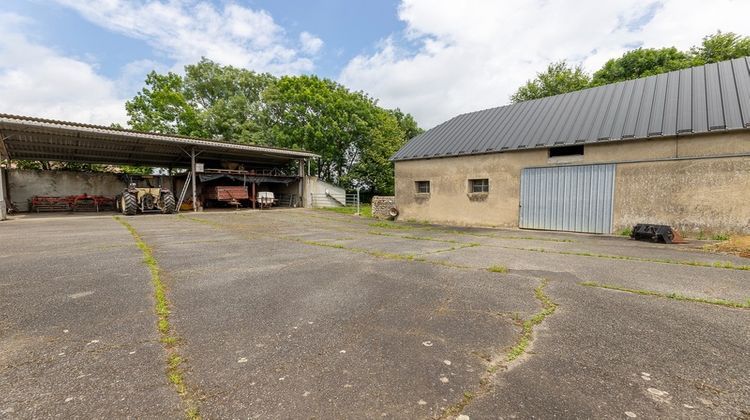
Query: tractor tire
(129, 204)
(168, 203)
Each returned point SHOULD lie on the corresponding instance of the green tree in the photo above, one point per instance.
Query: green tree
(721, 46)
(162, 107)
(210, 101)
(407, 123)
(558, 78)
(228, 100)
(354, 137)
(642, 62)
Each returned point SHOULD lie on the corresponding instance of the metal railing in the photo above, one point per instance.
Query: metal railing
(334, 200)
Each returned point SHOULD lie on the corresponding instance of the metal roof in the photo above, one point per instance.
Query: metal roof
(710, 98)
(40, 139)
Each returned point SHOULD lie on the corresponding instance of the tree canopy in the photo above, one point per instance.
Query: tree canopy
(353, 135)
(558, 78)
(641, 62)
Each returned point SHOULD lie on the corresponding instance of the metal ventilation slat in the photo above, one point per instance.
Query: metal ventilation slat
(729, 99)
(598, 109)
(715, 109)
(741, 68)
(537, 107)
(644, 111)
(500, 137)
(491, 142)
(573, 109)
(656, 121)
(556, 119)
(514, 129)
(699, 114)
(583, 119)
(493, 115)
(476, 122)
(671, 99)
(533, 134)
(685, 102)
(635, 102)
(622, 110)
(605, 130)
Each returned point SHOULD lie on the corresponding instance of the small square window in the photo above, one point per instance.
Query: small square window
(479, 185)
(423, 187)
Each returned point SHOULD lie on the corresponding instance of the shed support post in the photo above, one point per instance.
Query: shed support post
(195, 179)
(3, 207)
(301, 175)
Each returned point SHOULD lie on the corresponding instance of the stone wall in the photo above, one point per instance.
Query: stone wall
(381, 205)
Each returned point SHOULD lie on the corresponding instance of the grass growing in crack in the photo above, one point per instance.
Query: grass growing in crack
(458, 407)
(167, 336)
(527, 328)
(527, 334)
(497, 269)
(674, 296)
(389, 225)
(377, 254)
(718, 264)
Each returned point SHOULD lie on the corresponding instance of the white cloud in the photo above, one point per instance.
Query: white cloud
(36, 80)
(39, 80)
(473, 55)
(310, 43)
(184, 31)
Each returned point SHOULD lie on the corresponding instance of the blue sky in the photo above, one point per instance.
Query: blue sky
(82, 59)
(360, 25)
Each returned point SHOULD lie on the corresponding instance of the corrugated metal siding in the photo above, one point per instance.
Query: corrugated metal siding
(569, 198)
(702, 99)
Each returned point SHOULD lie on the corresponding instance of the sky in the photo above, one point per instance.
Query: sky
(80, 60)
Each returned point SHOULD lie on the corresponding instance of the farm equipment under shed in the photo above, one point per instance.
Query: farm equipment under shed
(81, 202)
(229, 194)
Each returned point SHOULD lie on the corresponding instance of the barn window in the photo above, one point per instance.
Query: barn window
(566, 151)
(423, 187)
(479, 185)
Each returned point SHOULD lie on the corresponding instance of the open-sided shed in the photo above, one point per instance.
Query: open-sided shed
(28, 138)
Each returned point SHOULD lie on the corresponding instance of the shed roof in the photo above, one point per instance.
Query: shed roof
(710, 98)
(41, 139)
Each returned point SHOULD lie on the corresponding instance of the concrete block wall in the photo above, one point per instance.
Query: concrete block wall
(26, 183)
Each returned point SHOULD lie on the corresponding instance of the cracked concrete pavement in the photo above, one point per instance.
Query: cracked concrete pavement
(301, 313)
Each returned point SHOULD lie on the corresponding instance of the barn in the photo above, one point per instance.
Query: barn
(670, 149)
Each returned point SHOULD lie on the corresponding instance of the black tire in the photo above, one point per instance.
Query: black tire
(129, 204)
(118, 203)
(168, 203)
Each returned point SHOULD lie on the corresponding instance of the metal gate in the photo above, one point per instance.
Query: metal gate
(570, 198)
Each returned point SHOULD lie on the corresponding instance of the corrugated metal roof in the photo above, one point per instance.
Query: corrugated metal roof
(710, 98)
(41, 139)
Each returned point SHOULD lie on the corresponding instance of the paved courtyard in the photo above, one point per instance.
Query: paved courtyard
(312, 314)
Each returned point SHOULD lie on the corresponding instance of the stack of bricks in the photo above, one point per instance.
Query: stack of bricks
(381, 206)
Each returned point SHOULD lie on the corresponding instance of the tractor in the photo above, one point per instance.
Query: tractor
(149, 199)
